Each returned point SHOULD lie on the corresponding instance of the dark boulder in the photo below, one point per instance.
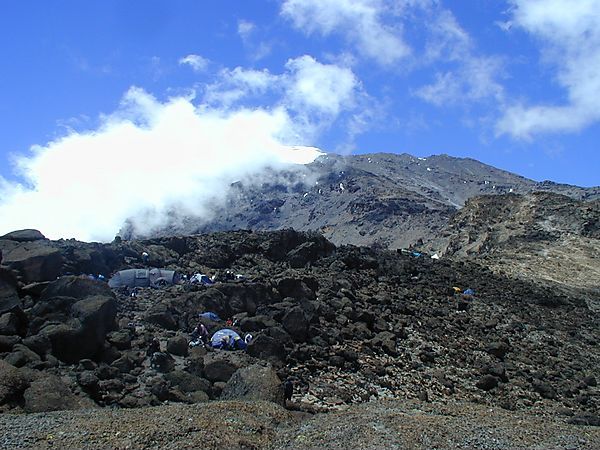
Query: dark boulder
(386, 342)
(7, 342)
(160, 315)
(162, 362)
(120, 339)
(27, 235)
(89, 382)
(257, 323)
(35, 261)
(254, 382)
(124, 364)
(498, 349)
(22, 356)
(295, 323)
(296, 288)
(13, 383)
(266, 347)
(219, 366)
(9, 298)
(39, 343)
(50, 393)
(9, 324)
(487, 382)
(178, 345)
(544, 389)
(188, 382)
(82, 336)
(76, 287)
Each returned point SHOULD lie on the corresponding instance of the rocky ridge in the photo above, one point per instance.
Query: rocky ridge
(391, 200)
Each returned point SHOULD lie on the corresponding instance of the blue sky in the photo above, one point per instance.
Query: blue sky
(514, 83)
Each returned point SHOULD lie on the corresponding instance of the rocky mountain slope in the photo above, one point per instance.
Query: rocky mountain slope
(545, 237)
(391, 200)
(347, 324)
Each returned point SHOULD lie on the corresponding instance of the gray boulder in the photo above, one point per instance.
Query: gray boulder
(27, 235)
(51, 394)
(254, 382)
(13, 383)
(82, 336)
(35, 261)
(295, 324)
(219, 366)
(9, 324)
(178, 345)
(188, 382)
(76, 287)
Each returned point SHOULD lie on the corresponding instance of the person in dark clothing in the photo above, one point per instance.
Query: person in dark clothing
(154, 347)
(288, 390)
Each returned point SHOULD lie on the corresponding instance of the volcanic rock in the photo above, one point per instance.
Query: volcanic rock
(254, 382)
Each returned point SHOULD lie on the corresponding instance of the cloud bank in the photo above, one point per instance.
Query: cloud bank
(153, 161)
(569, 36)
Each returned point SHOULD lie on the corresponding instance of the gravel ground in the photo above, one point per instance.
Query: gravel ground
(261, 425)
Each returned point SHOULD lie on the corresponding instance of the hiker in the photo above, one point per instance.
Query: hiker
(200, 333)
(153, 348)
(229, 322)
(145, 257)
(288, 390)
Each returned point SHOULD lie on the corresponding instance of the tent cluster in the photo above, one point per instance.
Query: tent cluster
(223, 339)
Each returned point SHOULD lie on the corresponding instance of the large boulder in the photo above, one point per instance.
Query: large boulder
(82, 335)
(266, 347)
(76, 287)
(296, 324)
(178, 345)
(27, 235)
(51, 394)
(9, 299)
(254, 382)
(188, 382)
(160, 315)
(219, 366)
(13, 383)
(35, 261)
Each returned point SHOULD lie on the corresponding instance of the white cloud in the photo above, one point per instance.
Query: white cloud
(151, 162)
(470, 77)
(147, 160)
(196, 62)
(307, 87)
(320, 88)
(245, 29)
(569, 36)
(362, 22)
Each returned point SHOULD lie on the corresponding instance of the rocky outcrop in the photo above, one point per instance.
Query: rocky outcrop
(254, 382)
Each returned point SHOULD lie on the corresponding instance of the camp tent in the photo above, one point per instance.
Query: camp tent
(200, 278)
(228, 340)
(132, 278)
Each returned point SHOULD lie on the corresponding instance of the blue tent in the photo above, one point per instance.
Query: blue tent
(211, 316)
(227, 339)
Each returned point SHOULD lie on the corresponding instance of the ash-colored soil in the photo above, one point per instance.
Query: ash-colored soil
(262, 425)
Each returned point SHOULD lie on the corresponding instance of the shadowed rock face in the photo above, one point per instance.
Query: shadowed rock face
(350, 324)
